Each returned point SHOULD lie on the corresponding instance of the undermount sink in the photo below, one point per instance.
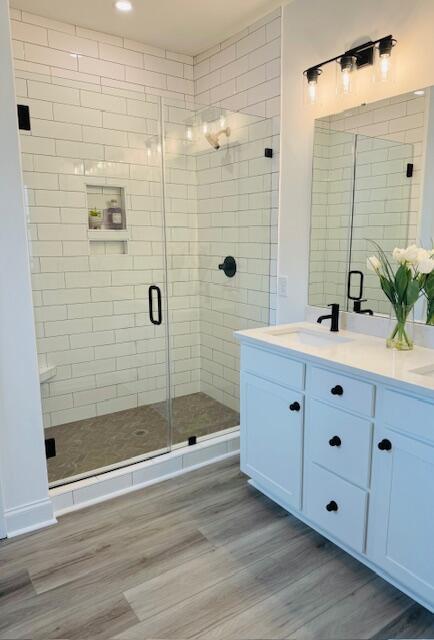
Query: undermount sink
(308, 337)
(427, 370)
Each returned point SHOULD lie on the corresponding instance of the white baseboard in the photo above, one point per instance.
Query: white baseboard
(85, 493)
(29, 517)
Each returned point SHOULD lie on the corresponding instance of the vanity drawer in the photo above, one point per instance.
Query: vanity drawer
(341, 390)
(268, 365)
(407, 413)
(339, 441)
(336, 506)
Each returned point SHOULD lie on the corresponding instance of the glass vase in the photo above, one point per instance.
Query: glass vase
(430, 313)
(401, 337)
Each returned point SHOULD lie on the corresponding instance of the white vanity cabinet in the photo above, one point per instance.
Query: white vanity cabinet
(350, 455)
(401, 532)
(273, 455)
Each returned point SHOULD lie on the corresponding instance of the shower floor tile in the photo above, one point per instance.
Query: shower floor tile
(87, 445)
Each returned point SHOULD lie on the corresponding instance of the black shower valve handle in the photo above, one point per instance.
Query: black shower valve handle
(229, 266)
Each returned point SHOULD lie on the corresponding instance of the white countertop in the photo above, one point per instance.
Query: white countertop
(363, 353)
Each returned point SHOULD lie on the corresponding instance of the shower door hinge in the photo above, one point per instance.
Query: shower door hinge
(192, 440)
(23, 112)
(268, 153)
(410, 167)
(50, 447)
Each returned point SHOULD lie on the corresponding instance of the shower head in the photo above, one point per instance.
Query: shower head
(213, 138)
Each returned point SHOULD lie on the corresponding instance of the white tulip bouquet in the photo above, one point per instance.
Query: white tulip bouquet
(403, 286)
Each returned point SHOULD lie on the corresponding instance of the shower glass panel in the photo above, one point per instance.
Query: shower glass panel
(218, 202)
(99, 283)
(381, 209)
(131, 212)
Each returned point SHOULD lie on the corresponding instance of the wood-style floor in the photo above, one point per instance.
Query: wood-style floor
(200, 556)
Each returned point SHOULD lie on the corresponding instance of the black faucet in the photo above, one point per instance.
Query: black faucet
(334, 317)
(358, 308)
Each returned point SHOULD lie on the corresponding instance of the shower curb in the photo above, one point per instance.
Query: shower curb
(98, 488)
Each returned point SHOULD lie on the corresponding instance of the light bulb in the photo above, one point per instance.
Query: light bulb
(383, 71)
(384, 66)
(345, 83)
(311, 93)
(159, 147)
(205, 127)
(148, 150)
(123, 5)
(311, 90)
(189, 133)
(222, 122)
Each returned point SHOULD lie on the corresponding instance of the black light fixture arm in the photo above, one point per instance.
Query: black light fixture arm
(363, 53)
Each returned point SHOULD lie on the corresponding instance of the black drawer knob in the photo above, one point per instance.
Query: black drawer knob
(295, 406)
(337, 390)
(332, 506)
(335, 441)
(385, 445)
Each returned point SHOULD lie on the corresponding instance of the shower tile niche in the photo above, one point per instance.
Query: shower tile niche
(106, 237)
(99, 198)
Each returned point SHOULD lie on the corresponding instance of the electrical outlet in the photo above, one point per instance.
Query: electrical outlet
(282, 286)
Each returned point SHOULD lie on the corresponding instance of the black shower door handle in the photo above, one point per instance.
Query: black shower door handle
(159, 320)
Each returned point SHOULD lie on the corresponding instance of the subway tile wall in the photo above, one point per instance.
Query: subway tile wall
(94, 105)
(242, 74)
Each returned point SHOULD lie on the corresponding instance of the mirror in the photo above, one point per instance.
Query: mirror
(371, 181)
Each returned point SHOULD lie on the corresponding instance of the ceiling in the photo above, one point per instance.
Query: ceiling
(184, 26)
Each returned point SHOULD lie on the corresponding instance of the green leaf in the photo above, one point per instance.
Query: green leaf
(413, 292)
(402, 278)
(429, 286)
(388, 289)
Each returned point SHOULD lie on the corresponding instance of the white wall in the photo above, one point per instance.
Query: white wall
(312, 31)
(23, 475)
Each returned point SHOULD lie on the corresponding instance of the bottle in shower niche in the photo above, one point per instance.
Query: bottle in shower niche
(115, 215)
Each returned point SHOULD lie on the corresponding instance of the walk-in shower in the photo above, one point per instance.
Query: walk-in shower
(128, 225)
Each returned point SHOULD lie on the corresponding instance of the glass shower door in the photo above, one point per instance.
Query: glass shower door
(219, 223)
(97, 243)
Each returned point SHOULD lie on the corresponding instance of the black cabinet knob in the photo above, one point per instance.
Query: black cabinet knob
(295, 406)
(332, 506)
(385, 445)
(335, 441)
(337, 390)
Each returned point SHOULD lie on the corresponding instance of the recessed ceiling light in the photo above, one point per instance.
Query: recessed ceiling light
(123, 5)
(419, 92)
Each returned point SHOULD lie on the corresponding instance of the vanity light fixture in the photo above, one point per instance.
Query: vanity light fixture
(378, 52)
(419, 92)
(123, 5)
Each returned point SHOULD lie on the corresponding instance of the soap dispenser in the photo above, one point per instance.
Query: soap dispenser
(115, 214)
